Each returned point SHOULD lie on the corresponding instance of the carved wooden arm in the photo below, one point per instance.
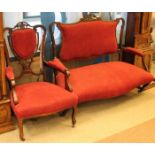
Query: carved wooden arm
(136, 52)
(58, 65)
(11, 78)
(142, 55)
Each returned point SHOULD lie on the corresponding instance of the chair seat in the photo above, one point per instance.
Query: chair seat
(41, 98)
(105, 80)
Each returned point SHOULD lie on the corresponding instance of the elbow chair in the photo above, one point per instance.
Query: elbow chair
(39, 98)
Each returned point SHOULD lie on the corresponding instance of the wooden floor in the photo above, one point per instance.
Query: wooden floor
(143, 133)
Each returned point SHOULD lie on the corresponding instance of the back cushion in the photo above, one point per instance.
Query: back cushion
(24, 42)
(85, 39)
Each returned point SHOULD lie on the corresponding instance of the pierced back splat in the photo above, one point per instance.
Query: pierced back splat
(24, 41)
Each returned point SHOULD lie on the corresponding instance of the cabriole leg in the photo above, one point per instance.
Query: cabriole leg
(20, 125)
(73, 116)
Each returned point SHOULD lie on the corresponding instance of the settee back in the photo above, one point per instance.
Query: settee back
(86, 39)
(24, 41)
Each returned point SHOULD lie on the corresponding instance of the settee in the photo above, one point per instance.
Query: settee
(92, 38)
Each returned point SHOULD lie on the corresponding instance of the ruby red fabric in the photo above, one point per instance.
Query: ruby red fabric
(56, 63)
(9, 73)
(134, 51)
(38, 98)
(24, 42)
(75, 42)
(105, 80)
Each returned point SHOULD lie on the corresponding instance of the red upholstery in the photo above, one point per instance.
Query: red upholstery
(105, 80)
(134, 51)
(56, 63)
(86, 39)
(24, 42)
(9, 73)
(41, 97)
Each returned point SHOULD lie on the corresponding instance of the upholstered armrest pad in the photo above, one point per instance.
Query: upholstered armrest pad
(134, 51)
(57, 64)
(9, 73)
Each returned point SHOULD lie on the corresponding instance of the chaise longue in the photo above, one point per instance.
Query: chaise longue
(92, 38)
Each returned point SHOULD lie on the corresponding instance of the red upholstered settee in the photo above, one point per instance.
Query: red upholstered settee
(94, 38)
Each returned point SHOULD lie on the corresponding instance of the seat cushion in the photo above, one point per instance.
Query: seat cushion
(38, 98)
(105, 80)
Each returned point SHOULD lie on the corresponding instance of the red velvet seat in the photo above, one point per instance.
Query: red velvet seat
(38, 98)
(105, 80)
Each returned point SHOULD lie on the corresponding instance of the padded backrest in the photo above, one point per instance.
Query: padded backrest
(24, 42)
(86, 39)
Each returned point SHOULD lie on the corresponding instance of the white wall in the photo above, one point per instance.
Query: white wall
(10, 19)
(73, 17)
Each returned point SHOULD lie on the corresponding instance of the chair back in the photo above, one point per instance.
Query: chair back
(25, 41)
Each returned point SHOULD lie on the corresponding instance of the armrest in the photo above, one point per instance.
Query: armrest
(137, 52)
(57, 64)
(9, 73)
(11, 77)
(134, 51)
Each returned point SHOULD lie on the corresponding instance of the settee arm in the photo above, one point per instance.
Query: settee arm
(58, 65)
(134, 51)
(11, 77)
(137, 52)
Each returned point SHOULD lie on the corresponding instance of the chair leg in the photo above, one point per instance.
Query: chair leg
(20, 125)
(141, 88)
(73, 116)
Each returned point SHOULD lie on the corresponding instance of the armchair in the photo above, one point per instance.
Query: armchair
(39, 98)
